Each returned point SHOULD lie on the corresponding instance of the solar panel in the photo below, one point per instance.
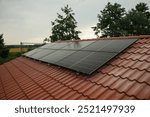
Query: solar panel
(83, 56)
(97, 45)
(56, 56)
(48, 45)
(78, 45)
(30, 53)
(92, 62)
(42, 53)
(60, 45)
(110, 45)
(117, 45)
(73, 58)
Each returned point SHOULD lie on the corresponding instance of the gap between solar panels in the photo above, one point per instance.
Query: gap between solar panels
(81, 56)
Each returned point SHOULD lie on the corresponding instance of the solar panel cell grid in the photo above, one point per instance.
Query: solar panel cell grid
(42, 53)
(56, 56)
(82, 56)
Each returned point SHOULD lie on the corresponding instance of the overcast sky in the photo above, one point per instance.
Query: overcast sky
(30, 20)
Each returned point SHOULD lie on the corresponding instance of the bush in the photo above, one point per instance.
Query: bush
(4, 52)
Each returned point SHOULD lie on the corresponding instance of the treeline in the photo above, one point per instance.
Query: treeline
(113, 20)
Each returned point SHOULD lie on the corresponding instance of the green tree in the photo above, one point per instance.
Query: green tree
(3, 50)
(1, 41)
(64, 26)
(109, 21)
(137, 20)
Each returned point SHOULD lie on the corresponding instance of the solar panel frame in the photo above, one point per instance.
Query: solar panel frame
(84, 56)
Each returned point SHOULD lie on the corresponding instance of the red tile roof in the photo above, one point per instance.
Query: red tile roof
(127, 76)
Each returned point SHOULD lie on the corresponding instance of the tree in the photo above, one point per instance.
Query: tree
(64, 27)
(1, 41)
(115, 21)
(46, 40)
(109, 21)
(3, 50)
(137, 20)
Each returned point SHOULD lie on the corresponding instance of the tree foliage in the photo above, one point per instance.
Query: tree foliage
(109, 21)
(64, 26)
(115, 21)
(1, 41)
(3, 50)
(46, 40)
(137, 20)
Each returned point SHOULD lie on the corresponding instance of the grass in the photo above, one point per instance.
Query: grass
(12, 55)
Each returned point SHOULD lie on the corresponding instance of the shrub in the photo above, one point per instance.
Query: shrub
(4, 52)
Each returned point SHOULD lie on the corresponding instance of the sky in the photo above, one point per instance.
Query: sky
(30, 20)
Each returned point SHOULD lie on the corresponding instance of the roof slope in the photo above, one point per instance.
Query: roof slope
(125, 77)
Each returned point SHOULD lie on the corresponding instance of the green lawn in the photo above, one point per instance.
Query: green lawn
(11, 56)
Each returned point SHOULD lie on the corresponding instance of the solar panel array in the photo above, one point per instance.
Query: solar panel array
(81, 56)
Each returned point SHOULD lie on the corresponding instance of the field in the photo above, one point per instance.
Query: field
(18, 49)
(13, 53)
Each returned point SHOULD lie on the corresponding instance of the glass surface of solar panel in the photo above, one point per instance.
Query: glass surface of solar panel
(78, 45)
(83, 56)
(117, 45)
(42, 53)
(97, 45)
(110, 45)
(73, 58)
(60, 45)
(56, 56)
(48, 45)
(30, 53)
(92, 62)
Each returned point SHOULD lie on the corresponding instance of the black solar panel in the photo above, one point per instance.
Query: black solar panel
(92, 62)
(73, 58)
(56, 56)
(42, 53)
(30, 53)
(60, 45)
(78, 45)
(48, 45)
(117, 45)
(109, 45)
(82, 56)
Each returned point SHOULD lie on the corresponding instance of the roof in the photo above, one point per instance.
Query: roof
(127, 76)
